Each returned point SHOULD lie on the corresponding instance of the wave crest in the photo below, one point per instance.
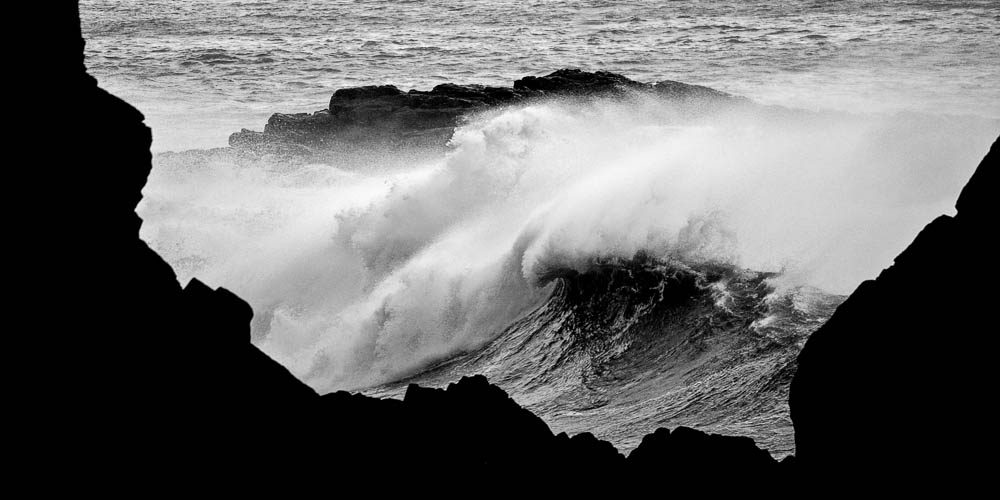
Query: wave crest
(362, 277)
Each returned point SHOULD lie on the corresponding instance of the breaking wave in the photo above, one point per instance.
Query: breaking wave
(588, 245)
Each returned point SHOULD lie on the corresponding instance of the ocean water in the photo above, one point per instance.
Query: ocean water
(201, 69)
(612, 264)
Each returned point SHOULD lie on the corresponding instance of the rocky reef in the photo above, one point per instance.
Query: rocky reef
(386, 116)
(151, 388)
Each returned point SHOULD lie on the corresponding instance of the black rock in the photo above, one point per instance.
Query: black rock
(896, 387)
(387, 117)
(688, 453)
(577, 82)
(366, 92)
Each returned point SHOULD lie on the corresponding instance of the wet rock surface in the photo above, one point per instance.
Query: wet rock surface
(384, 115)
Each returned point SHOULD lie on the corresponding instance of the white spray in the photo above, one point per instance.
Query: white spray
(362, 276)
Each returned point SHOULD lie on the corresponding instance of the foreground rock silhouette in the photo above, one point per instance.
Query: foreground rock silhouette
(894, 386)
(153, 388)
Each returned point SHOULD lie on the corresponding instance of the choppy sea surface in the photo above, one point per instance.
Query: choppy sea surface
(201, 69)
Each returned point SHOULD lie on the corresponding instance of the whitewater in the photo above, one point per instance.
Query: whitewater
(614, 264)
(361, 277)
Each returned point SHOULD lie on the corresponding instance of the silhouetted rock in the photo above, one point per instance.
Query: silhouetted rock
(688, 452)
(576, 82)
(895, 386)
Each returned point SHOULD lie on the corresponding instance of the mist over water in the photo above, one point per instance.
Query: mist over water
(360, 276)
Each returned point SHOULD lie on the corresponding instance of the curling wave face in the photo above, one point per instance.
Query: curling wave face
(365, 274)
(629, 345)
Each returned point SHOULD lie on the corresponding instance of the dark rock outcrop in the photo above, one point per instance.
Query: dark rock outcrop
(896, 386)
(387, 116)
(686, 449)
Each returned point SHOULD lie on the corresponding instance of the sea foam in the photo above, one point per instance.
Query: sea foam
(359, 277)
